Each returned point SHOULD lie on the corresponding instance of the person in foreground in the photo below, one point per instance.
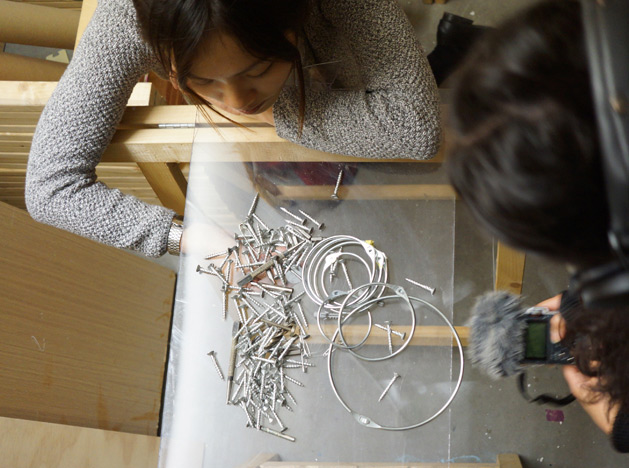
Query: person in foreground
(342, 76)
(527, 160)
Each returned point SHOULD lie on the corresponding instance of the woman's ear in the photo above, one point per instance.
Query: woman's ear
(173, 81)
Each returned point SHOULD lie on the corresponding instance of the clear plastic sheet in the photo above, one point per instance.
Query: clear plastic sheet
(398, 205)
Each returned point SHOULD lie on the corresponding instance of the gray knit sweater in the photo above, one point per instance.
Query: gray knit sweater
(375, 98)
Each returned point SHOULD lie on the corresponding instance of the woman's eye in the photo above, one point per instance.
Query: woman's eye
(266, 69)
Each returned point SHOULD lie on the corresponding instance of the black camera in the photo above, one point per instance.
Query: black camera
(538, 348)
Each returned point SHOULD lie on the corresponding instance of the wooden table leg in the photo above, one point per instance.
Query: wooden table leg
(509, 269)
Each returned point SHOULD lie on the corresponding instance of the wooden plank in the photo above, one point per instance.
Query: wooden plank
(373, 465)
(260, 459)
(509, 269)
(19, 67)
(509, 460)
(225, 144)
(84, 329)
(38, 25)
(168, 183)
(37, 444)
(87, 11)
(181, 114)
(37, 93)
(423, 336)
(69, 5)
(368, 192)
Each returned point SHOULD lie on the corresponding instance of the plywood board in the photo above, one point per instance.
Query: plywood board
(33, 444)
(84, 329)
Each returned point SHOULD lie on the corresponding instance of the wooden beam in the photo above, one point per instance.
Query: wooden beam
(260, 459)
(37, 25)
(37, 93)
(369, 192)
(509, 460)
(509, 269)
(20, 67)
(168, 183)
(87, 11)
(259, 144)
(423, 336)
(374, 465)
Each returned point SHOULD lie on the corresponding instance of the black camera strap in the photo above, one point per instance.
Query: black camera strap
(543, 399)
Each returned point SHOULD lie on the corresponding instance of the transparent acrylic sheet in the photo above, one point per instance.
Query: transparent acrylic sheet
(416, 233)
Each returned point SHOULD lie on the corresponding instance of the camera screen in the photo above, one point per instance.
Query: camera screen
(535, 340)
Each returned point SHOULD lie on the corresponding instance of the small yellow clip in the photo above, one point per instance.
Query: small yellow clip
(370, 242)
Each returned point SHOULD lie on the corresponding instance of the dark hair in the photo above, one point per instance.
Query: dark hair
(599, 341)
(525, 155)
(176, 29)
(525, 159)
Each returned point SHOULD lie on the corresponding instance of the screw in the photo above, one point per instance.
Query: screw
(395, 332)
(345, 272)
(276, 433)
(290, 379)
(317, 223)
(292, 215)
(200, 269)
(388, 325)
(395, 376)
(218, 254)
(302, 315)
(423, 286)
(254, 205)
(211, 269)
(335, 194)
(212, 355)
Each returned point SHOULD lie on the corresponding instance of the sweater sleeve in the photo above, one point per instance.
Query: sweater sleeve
(75, 128)
(395, 114)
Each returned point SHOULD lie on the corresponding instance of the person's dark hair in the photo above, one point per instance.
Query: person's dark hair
(524, 152)
(599, 341)
(524, 156)
(176, 29)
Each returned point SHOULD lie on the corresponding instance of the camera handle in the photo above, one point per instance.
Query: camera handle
(543, 399)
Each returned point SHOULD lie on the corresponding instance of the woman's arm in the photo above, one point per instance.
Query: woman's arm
(74, 130)
(395, 115)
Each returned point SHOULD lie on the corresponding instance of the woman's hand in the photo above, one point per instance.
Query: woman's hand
(594, 403)
(204, 239)
(557, 323)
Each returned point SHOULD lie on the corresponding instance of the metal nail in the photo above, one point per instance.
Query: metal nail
(395, 376)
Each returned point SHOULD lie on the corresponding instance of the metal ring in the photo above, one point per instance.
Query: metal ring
(313, 279)
(400, 292)
(368, 422)
(345, 346)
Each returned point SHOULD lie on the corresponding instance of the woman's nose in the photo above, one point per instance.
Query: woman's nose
(237, 97)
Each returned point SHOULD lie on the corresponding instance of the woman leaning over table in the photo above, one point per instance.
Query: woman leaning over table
(342, 76)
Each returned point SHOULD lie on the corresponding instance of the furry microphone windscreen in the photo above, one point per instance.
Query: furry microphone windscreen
(497, 330)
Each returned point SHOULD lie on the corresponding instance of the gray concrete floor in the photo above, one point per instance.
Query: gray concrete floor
(489, 417)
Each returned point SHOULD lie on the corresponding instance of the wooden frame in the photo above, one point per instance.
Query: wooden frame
(159, 140)
(270, 460)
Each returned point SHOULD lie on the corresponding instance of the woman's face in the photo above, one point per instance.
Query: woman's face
(233, 80)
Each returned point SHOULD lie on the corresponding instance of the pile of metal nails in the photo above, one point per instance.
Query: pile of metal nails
(269, 338)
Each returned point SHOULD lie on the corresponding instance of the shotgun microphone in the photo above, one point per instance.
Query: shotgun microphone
(505, 336)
